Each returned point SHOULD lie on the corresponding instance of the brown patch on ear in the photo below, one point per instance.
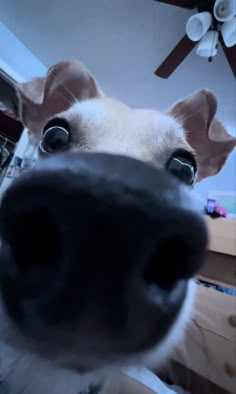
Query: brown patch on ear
(204, 133)
(42, 98)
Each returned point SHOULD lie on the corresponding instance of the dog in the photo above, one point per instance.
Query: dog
(101, 240)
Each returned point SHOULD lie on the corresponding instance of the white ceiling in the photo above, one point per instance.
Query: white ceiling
(122, 42)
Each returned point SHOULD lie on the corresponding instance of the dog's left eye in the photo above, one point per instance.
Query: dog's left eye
(56, 137)
(182, 164)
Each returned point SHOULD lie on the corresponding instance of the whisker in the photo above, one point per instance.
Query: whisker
(200, 330)
(192, 336)
(171, 373)
(202, 344)
(74, 98)
(11, 376)
(191, 115)
(68, 91)
(202, 316)
(65, 98)
(182, 355)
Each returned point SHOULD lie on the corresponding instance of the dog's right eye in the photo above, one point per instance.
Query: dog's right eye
(182, 164)
(56, 137)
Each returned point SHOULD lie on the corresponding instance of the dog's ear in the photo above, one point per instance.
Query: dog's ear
(207, 136)
(42, 98)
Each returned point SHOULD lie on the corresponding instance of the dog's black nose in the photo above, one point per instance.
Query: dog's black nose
(96, 221)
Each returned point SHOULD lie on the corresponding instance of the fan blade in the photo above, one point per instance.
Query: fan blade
(190, 4)
(230, 54)
(179, 53)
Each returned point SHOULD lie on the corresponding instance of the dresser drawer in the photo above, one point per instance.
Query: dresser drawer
(209, 347)
(216, 312)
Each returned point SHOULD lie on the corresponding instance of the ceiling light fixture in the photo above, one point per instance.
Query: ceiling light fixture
(205, 26)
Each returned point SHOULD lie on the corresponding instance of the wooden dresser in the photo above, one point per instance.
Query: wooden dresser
(211, 347)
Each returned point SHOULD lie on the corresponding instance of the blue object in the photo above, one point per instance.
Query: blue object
(211, 202)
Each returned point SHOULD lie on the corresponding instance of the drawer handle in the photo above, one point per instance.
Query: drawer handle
(229, 370)
(232, 320)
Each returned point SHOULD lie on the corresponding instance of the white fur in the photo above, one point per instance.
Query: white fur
(37, 377)
(28, 373)
(110, 126)
(162, 351)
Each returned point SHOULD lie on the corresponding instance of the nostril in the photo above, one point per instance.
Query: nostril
(177, 257)
(164, 266)
(33, 237)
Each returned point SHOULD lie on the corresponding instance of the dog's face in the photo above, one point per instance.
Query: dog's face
(99, 246)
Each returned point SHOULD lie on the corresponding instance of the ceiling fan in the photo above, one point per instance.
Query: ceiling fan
(214, 23)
